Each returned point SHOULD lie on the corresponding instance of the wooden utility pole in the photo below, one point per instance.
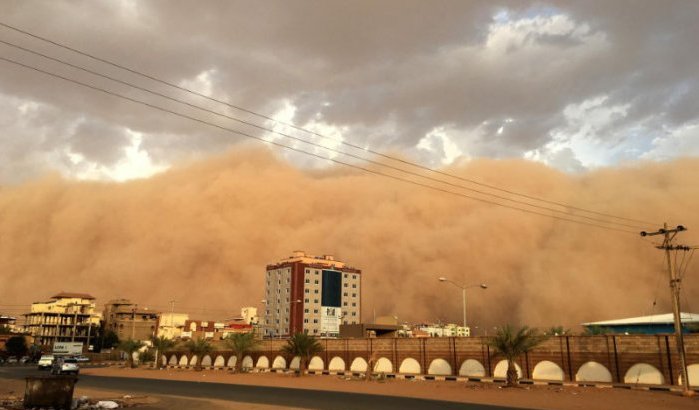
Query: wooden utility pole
(675, 282)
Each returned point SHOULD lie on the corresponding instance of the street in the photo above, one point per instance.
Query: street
(277, 396)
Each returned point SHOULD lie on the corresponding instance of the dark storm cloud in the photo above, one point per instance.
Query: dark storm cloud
(390, 72)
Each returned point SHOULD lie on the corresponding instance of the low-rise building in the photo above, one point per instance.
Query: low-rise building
(653, 324)
(171, 325)
(442, 330)
(66, 317)
(9, 323)
(128, 321)
(205, 329)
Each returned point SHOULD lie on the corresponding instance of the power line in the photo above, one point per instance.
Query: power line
(410, 163)
(233, 131)
(377, 163)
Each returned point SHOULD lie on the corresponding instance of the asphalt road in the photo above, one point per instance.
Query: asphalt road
(277, 396)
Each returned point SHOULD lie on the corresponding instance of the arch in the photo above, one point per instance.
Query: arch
(183, 360)
(593, 372)
(232, 361)
(643, 373)
(358, 365)
(439, 367)
(247, 362)
(163, 360)
(409, 366)
(336, 364)
(220, 361)
(193, 361)
(206, 360)
(471, 367)
(262, 362)
(547, 370)
(383, 365)
(316, 363)
(693, 373)
(500, 369)
(279, 363)
(295, 363)
(173, 360)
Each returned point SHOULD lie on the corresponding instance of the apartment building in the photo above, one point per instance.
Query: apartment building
(311, 294)
(66, 317)
(128, 321)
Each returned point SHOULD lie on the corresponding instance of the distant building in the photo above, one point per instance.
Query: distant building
(171, 324)
(128, 321)
(67, 317)
(212, 330)
(8, 322)
(654, 324)
(311, 294)
(249, 315)
(440, 330)
(369, 330)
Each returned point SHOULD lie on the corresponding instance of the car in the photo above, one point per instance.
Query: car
(82, 359)
(11, 360)
(24, 359)
(65, 365)
(46, 361)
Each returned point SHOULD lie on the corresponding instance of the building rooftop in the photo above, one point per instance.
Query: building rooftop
(72, 295)
(664, 318)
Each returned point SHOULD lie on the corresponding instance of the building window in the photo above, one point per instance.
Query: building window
(344, 303)
(305, 320)
(315, 310)
(315, 291)
(308, 280)
(315, 300)
(354, 304)
(344, 294)
(354, 295)
(344, 285)
(308, 271)
(354, 276)
(307, 291)
(354, 313)
(305, 300)
(316, 281)
(315, 320)
(305, 311)
(316, 272)
(354, 285)
(345, 276)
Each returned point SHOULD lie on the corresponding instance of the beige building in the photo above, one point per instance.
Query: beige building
(171, 325)
(128, 321)
(311, 294)
(67, 317)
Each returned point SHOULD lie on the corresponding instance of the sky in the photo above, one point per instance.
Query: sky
(575, 85)
(591, 104)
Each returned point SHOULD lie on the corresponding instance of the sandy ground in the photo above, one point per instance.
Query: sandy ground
(539, 397)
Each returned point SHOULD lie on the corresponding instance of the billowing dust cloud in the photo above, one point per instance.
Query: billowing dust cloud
(202, 234)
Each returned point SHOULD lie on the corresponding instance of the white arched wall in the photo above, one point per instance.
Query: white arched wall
(316, 363)
(383, 365)
(501, 369)
(279, 363)
(409, 366)
(163, 360)
(206, 360)
(193, 361)
(232, 361)
(472, 368)
(336, 364)
(183, 360)
(693, 373)
(247, 362)
(643, 373)
(439, 367)
(262, 362)
(220, 361)
(593, 372)
(173, 360)
(547, 370)
(358, 365)
(295, 363)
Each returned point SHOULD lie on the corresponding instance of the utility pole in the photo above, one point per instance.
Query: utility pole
(675, 281)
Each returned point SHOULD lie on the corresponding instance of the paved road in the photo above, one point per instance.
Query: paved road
(278, 396)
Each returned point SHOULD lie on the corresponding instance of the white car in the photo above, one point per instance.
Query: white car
(65, 365)
(46, 361)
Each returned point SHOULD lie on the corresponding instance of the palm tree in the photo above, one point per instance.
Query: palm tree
(511, 344)
(557, 331)
(303, 346)
(161, 344)
(129, 347)
(198, 347)
(241, 344)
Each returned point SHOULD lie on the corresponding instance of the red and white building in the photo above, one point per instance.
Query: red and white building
(311, 294)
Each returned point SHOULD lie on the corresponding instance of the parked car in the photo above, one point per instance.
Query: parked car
(65, 365)
(82, 359)
(11, 360)
(46, 361)
(24, 359)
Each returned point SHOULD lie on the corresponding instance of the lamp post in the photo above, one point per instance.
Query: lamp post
(463, 292)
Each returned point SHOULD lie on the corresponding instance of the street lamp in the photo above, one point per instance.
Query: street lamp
(463, 291)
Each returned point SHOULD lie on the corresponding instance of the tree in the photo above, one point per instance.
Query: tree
(109, 339)
(129, 347)
(595, 330)
(198, 347)
(511, 344)
(16, 346)
(304, 346)
(5, 330)
(557, 331)
(161, 344)
(241, 344)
